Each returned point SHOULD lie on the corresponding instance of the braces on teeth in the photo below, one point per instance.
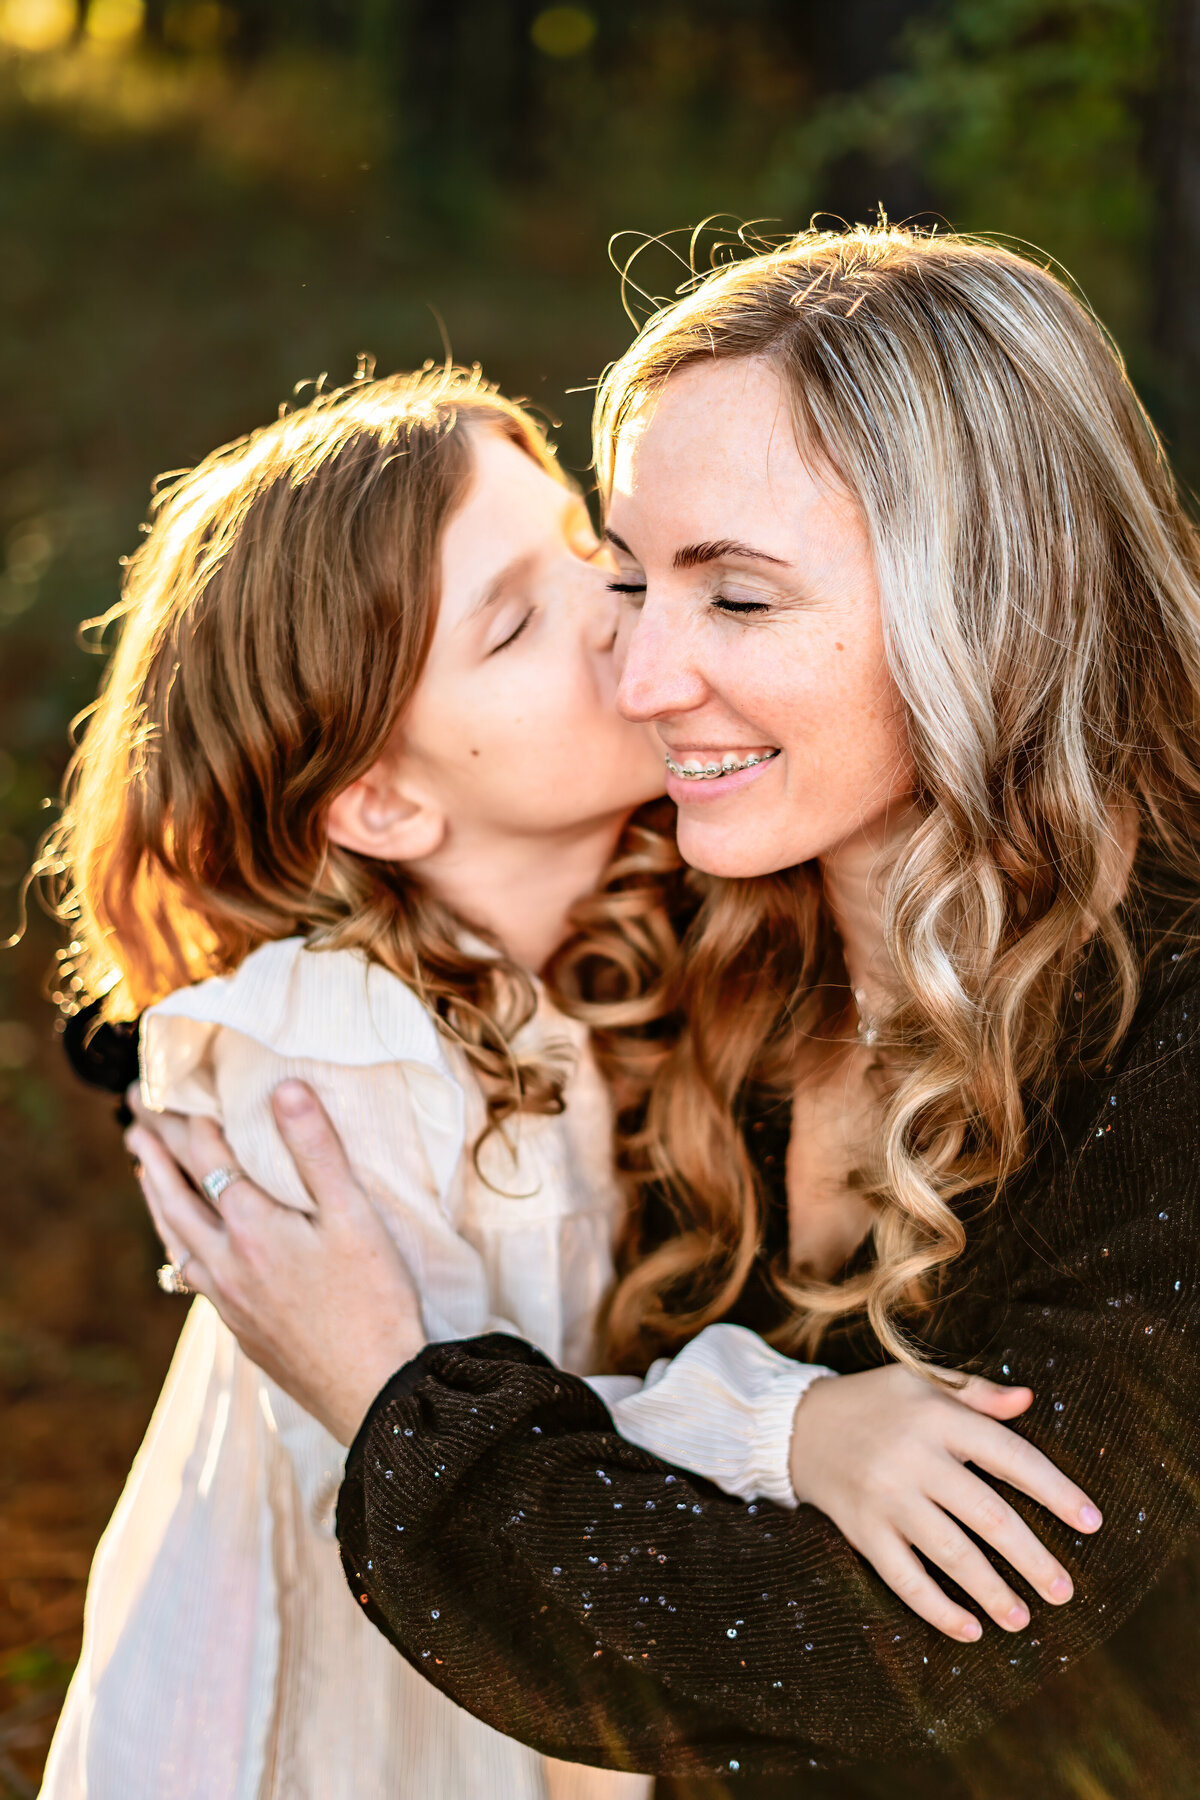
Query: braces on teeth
(694, 770)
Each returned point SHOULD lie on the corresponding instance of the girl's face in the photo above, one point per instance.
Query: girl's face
(752, 636)
(513, 729)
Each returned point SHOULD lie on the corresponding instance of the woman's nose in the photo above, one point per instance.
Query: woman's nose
(657, 678)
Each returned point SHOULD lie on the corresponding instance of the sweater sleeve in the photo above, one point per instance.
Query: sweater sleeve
(578, 1593)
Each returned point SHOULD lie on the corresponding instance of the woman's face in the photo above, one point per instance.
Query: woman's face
(752, 636)
(514, 728)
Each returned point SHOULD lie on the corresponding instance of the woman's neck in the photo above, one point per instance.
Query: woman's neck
(522, 890)
(853, 878)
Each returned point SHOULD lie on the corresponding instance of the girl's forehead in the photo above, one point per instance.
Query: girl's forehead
(503, 474)
(513, 514)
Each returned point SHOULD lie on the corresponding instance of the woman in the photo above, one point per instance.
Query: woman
(891, 521)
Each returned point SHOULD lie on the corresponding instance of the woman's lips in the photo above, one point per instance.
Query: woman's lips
(711, 765)
(724, 787)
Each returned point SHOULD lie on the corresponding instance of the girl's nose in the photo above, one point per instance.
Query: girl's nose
(657, 676)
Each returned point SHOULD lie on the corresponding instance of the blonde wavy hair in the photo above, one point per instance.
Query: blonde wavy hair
(1040, 587)
(273, 628)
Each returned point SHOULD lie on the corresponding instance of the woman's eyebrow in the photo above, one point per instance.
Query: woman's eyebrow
(691, 556)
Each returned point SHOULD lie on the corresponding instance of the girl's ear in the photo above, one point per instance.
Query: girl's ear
(378, 816)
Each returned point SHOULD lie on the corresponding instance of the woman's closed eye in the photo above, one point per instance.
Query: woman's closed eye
(722, 603)
(737, 609)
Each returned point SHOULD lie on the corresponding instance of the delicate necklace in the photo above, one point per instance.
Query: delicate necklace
(868, 1024)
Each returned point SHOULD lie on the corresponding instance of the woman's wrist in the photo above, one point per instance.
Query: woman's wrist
(343, 1412)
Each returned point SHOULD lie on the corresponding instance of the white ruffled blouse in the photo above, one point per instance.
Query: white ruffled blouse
(223, 1655)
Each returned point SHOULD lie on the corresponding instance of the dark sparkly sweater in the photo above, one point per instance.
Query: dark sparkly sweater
(576, 1593)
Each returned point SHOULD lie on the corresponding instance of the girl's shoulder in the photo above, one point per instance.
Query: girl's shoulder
(333, 1006)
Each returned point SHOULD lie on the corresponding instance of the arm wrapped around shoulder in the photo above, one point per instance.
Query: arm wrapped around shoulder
(576, 1592)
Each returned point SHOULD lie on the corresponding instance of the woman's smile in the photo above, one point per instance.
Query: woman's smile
(703, 776)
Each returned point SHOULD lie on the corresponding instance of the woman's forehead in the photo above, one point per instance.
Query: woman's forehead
(710, 422)
(690, 472)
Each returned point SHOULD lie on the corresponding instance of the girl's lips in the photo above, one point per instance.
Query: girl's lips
(706, 793)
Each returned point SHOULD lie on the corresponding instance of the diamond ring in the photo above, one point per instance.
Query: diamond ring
(214, 1185)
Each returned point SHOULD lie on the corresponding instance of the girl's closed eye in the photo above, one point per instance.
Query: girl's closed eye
(513, 635)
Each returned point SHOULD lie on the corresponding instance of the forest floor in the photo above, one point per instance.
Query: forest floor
(85, 1338)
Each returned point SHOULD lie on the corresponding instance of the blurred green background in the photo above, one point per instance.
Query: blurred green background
(203, 204)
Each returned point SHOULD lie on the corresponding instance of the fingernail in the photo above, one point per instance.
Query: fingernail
(1060, 1588)
(1018, 1618)
(971, 1632)
(1090, 1518)
(292, 1098)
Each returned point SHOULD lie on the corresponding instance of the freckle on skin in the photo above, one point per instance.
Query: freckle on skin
(474, 753)
(839, 646)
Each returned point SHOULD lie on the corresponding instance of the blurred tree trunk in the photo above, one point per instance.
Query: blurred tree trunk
(152, 26)
(1177, 321)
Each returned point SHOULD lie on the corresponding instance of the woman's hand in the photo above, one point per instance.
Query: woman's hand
(884, 1454)
(322, 1303)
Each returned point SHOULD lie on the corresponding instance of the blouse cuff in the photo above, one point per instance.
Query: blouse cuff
(723, 1408)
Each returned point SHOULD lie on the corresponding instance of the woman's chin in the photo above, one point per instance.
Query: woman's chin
(716, 848)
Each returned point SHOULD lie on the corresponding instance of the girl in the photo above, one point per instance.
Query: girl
(356, 760)
(282, 880)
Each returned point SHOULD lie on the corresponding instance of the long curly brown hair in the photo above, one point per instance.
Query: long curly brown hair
(1040, 585)
(273, 628)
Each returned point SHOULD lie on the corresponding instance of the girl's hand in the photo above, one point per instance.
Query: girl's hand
(322, 1303)
(884, 1454)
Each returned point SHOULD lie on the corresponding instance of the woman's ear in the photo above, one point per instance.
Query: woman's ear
(380, 817)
